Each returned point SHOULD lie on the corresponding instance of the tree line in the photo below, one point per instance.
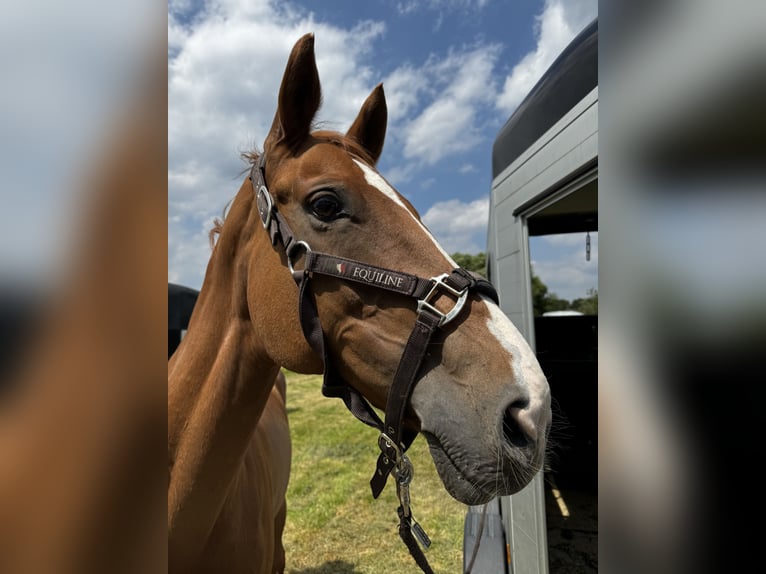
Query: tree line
(542, 299)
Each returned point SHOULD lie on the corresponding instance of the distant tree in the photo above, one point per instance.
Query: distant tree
(554, 303)
(476, 263)
(543, 301)
(587, 305)
(539, 295)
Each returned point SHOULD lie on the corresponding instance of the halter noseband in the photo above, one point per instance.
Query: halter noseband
(394, 440)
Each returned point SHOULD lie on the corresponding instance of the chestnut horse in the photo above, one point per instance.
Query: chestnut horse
(477, 392)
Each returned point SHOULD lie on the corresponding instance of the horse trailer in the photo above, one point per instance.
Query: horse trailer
(545, 181)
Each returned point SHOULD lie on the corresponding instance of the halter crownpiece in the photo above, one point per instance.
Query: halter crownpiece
(394, 439)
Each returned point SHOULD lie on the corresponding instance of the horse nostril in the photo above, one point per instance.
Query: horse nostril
(518, 427)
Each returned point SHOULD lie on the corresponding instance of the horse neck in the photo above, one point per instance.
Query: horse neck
(219, 381)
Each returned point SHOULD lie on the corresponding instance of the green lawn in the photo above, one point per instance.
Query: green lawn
(334, 526)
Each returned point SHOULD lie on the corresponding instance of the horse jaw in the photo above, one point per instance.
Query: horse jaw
(486, 424)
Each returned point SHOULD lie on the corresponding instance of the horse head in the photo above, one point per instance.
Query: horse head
(480, 397)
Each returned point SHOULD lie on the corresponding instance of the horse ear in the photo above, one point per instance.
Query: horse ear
(369, 127)
(299, 97)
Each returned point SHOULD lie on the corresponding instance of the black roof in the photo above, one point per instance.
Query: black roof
(181, 302)
(569, 79)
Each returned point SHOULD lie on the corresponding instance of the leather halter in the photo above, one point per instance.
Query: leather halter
(394, 439)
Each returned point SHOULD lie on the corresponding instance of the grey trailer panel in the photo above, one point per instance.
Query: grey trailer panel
(547, 150)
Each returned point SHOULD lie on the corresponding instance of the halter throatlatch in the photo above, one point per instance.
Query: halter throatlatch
(394, 439)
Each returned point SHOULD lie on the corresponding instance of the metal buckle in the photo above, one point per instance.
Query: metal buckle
(265, 205)
(289, 252)
(387, 444)
(444, 318)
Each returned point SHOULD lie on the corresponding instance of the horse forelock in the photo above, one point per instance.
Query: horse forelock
(217, 227)
(349, 145)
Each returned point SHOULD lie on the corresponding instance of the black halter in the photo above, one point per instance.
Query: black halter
(394, 440)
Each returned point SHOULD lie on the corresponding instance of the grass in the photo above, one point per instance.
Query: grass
(334, 526)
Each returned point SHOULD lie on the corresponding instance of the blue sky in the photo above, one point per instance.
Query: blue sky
(453, 71)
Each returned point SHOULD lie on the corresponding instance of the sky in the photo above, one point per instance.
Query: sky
(453, 72)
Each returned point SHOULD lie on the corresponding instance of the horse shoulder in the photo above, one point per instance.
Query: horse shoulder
(252, 517)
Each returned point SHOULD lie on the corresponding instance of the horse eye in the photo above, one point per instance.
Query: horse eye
(326, 207)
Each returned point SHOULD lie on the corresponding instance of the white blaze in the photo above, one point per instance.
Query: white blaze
(375, 180)
(525, 367)
(524, 364)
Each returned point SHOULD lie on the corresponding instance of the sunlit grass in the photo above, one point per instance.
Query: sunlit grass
(334, 526)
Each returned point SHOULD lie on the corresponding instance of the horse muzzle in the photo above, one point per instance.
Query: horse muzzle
(482, 453)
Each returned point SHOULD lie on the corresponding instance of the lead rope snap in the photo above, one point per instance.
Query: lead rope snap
(404, 472)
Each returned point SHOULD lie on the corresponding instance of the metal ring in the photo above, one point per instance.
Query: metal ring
(291, 250)
(265, 206)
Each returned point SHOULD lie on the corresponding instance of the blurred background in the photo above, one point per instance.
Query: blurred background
(83, 272)
(69, 70)
(682, 283)
(74, 74)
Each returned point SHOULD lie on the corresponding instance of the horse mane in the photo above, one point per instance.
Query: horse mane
(217, 227)
(350, 145)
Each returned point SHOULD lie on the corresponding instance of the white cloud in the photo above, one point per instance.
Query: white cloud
(188, 252)
(568, 278)
(404, 88)
(225, 64)
(399, 174)
(409, 6)
(224, 69)
(224, 80)
(435, 109)
(565, 271)
(568, 239)
(428, 183)
(459, 226)
(448, 125)
(557, 25)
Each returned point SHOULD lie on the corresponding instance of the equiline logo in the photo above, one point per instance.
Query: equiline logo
(373, 276)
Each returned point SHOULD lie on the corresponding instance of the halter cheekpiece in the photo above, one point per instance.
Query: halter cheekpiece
(394, 440)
